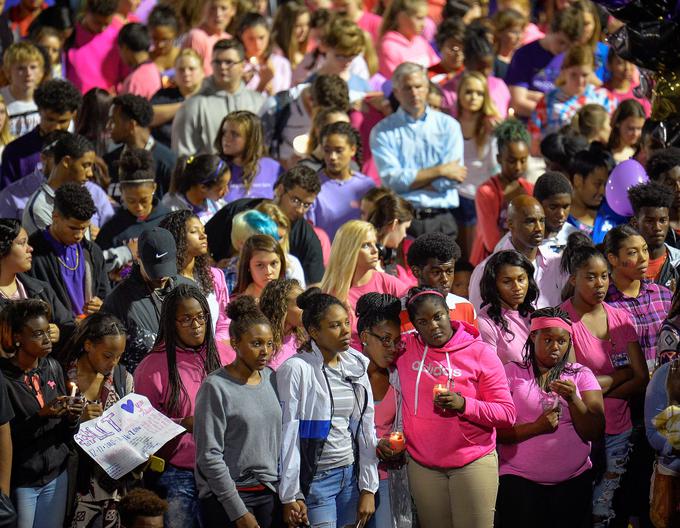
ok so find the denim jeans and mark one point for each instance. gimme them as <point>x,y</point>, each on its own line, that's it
<point>333,498</point>
<point>616,450</point>
<point>178,487</point>
<point>43,507</point>
<point>383,508</point>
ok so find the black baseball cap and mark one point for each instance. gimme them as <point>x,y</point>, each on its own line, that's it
<point>158,253</point>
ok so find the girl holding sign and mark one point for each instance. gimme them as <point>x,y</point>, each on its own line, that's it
<point>92,368</point>
<point>184,354</point>
<point>238,429</point>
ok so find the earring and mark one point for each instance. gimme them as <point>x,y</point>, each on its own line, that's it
<point>17,344</point>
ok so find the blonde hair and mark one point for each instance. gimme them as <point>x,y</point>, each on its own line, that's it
<point>488,107</point>
<point>286,17</point>
<point>274,212</point>
<point>21,52</point>
<point>5,135</point>
<point>389,21</point>
<point>189,53</point>
<point>342,263</point>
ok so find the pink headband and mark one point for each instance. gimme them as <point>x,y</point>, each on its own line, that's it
<point>425,292</point>
<point>549,322</point>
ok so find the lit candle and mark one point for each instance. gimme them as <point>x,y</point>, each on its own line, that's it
<point>74,390</point>
<point>397,441</point>
<point>439,389</point>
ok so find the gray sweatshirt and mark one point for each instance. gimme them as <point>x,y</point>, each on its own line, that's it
<point>237,430</point>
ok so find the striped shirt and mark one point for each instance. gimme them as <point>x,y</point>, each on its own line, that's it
<point>648,311</point>
<point>337,450</point>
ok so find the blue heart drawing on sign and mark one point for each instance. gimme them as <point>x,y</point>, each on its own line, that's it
<point>128,406</point>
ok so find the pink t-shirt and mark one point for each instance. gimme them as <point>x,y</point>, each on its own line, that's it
<point>94,60</point>
<point>531,33</point>
<point>370,23</point>
<point>508,345</point>
<point>548,458</point>
<point>385,414</point>
<point>395,48</point>
<point>145,80</point>
<point>288,349</point>
<point>622,96</point>
<point>596,354</point>
<point>202,43</point>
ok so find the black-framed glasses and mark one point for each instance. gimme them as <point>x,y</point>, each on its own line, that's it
<point>188,320</point>
<point>387,341</point>
<point>299,203</point>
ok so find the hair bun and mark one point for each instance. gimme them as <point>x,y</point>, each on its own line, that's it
<point>134,160</point>
<point>306,298</point>
<point>242,306</point>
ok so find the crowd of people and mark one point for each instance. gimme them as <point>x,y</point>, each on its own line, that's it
<point>292,226</point>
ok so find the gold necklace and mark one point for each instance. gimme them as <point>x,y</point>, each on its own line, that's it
<point>74,268</point>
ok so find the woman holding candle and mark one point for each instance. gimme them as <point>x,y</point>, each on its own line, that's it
<point>328,449</point>
<point>559,412</point>
<point>452,467</point>
<point>378,326</point>
<point>170,376</point>
<point>92,368</point>
<point>508,292</point>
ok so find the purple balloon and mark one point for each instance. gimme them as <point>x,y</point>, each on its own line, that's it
<point>625,175</point>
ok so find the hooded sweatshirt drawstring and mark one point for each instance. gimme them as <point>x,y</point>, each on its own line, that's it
<point>449,380</point>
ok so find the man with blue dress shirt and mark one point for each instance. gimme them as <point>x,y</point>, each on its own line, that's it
<point>419,153</point>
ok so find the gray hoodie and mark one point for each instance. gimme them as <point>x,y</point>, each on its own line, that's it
<point>197,122</point>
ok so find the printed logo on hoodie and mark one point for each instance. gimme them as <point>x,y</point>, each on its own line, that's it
<point>436,370</point>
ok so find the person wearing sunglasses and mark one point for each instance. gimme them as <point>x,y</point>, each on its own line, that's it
<point>184,354</point>
<point>379,330</point>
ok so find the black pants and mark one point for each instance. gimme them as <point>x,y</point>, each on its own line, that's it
<point>264,505</point>
<point>526,504</point>
<point>442,222</point>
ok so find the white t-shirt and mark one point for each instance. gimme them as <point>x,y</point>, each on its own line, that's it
<point>23,115</point>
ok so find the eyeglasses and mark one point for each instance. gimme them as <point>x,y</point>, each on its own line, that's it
<point>299,203</point>
<point>227,63</point>
<point>388,342</point>
<point>188,320</point>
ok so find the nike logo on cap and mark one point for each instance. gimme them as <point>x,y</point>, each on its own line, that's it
<point>161,255</point>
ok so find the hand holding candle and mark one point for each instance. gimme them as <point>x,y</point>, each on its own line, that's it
<point>439,389</point>
<point>74,390</point>
<point>397,441</point>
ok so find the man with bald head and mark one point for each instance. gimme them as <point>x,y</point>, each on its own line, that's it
<point>526,221</point>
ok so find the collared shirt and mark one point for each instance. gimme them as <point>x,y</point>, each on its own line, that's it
<point>402,146</point>
<point>555,243</point>
<point>648,311</point>
<point>547,274</point>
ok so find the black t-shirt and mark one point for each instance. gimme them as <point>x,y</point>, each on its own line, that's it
<point>6,412</point>
<point>163,133</point>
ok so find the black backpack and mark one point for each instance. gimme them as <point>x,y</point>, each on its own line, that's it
<point>274,122</point>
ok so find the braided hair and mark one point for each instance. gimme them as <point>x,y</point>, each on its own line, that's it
<point>93,328</point>
<point>373,308</point>
<point>529,355</point>
<point>344,129</point>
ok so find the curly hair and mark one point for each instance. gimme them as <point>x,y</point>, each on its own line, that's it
<point>9,231</point>
<point>450,29</point>
<point>300,176</point>
<point>93,328</point>
<point>341,128</point>
<point>135,107</point>
<point>651,194</point>
<point>432,245</point>
<point>511,130</point>
<point>274,304</point>
<point>661,161</point>
<point>140,502</point>
<point>58,95</point>
<point>167,335</point>
<point>489,290</point>
<point>244,313</point>
<point>136,167</point>
<point>73,200</point>
<point>551,183</point>
<point>176,223</point>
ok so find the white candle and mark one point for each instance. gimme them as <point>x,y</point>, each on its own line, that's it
<point>74,389</point>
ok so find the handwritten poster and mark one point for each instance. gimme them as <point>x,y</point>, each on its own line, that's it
<point>126,435</point>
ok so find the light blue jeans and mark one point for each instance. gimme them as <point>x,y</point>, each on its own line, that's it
<point>617,449</point>
<point>179,488</point>
<point>43,507</point>
<point>333,498</point>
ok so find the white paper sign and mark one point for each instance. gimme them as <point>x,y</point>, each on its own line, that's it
<point>126,435</point>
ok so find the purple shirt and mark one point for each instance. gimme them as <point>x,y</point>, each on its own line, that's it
<point>648,311</point>
<point>72,267</point>
<point>339,201</point>
<point>262,185</point>
<point>20,157</point>
<point>532,68</point>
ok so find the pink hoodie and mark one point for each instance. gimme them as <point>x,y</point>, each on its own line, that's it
<point>447,439</point>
